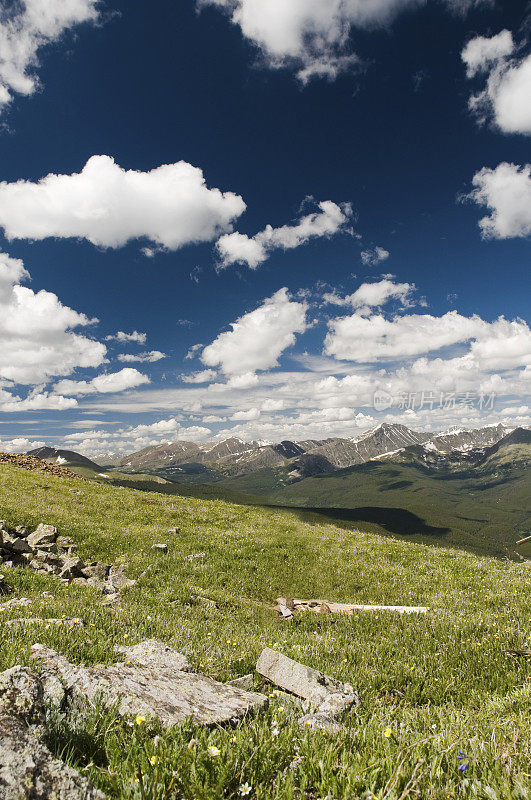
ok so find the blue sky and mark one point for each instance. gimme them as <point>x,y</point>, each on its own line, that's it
<point>345,209</point>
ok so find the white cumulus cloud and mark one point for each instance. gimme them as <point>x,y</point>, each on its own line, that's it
<point>373,295</point>
<point>171,205</point>
<point>312,36</point>
<point>37,338</point>
<point>258,339</point>
<point>27,26</point>
<point>237,248</point>
<point>506,192</point>
<point>127,378</point>
<point>506,96</point>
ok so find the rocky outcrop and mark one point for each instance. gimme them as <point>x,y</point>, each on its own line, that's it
<point>28,770</point>
<point>155,681</point>
<point>45,551</point>
<point>37,465</point>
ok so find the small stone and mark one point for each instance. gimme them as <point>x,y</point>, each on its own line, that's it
<point>4,587</point>
<point>97,583</point>
<point>110,599</point>
<point>63,541</point>
<point>45,534</point>
<point>118,580</point>
<point>20,545</point>
<point>162,548</point>
<point>17,602</point>
<point>78,582</point>
<point>195,556</point>
<point>96,570</point>
<point>321,721</point>
<point>174,530</point>
<point>71,567</point>
<point>22,531</point>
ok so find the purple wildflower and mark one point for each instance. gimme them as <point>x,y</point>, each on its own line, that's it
<point>463,767</point>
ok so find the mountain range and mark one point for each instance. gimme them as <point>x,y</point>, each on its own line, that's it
<point>464,488</point>
<point>233,457</point>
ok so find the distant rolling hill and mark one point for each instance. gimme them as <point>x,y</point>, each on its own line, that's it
<point>65,458</point>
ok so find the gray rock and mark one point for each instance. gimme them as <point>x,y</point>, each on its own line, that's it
<point>326,697</point>
<point>154,653</point>
<point>96,570</point>
<point>110,599</point>
<point>72,567</point>
<point>151,691</point>
<point>245,682</point>
<point>5,588</point>
<point>321,721</point>
<point>44,534</point>
<point>162,548</point>
<point>118,580</point>
<point>50,547</point>
<point>21,694</point>
<point>17,602</point>
<point>22,531</point>
<point>196,557</point>
<point>64,541</point>
<point>174,530</point>
<point>28,771</point>
<point>20,545</point>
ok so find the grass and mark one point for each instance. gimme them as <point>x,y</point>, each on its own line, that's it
<point>431,685</point>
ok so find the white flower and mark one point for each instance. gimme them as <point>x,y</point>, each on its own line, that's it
<point>245,789</point>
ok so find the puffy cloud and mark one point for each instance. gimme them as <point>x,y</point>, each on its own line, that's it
<point>120,336</point>
<point>149,357</point>
<point>368,339</point>
<point>374,256</point>
<point>37,341</point>
<point>371,295</point>
<point>252,413</point>
<point>236,248</point>
<point>501,344</point>
<point>506,191</point>
<point>35,401</point>
<point>311,35</point>
<point>203,376</point>
<point>480,53</point>
<point>505,98</point>
<point>127,378</point>
<point>19,444</point>
<point>25,28</point>
<point>170,205</point>
<point>258,339</point>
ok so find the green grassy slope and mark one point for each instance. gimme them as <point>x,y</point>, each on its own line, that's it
<point>484,508</point>
<point>439,683</point>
